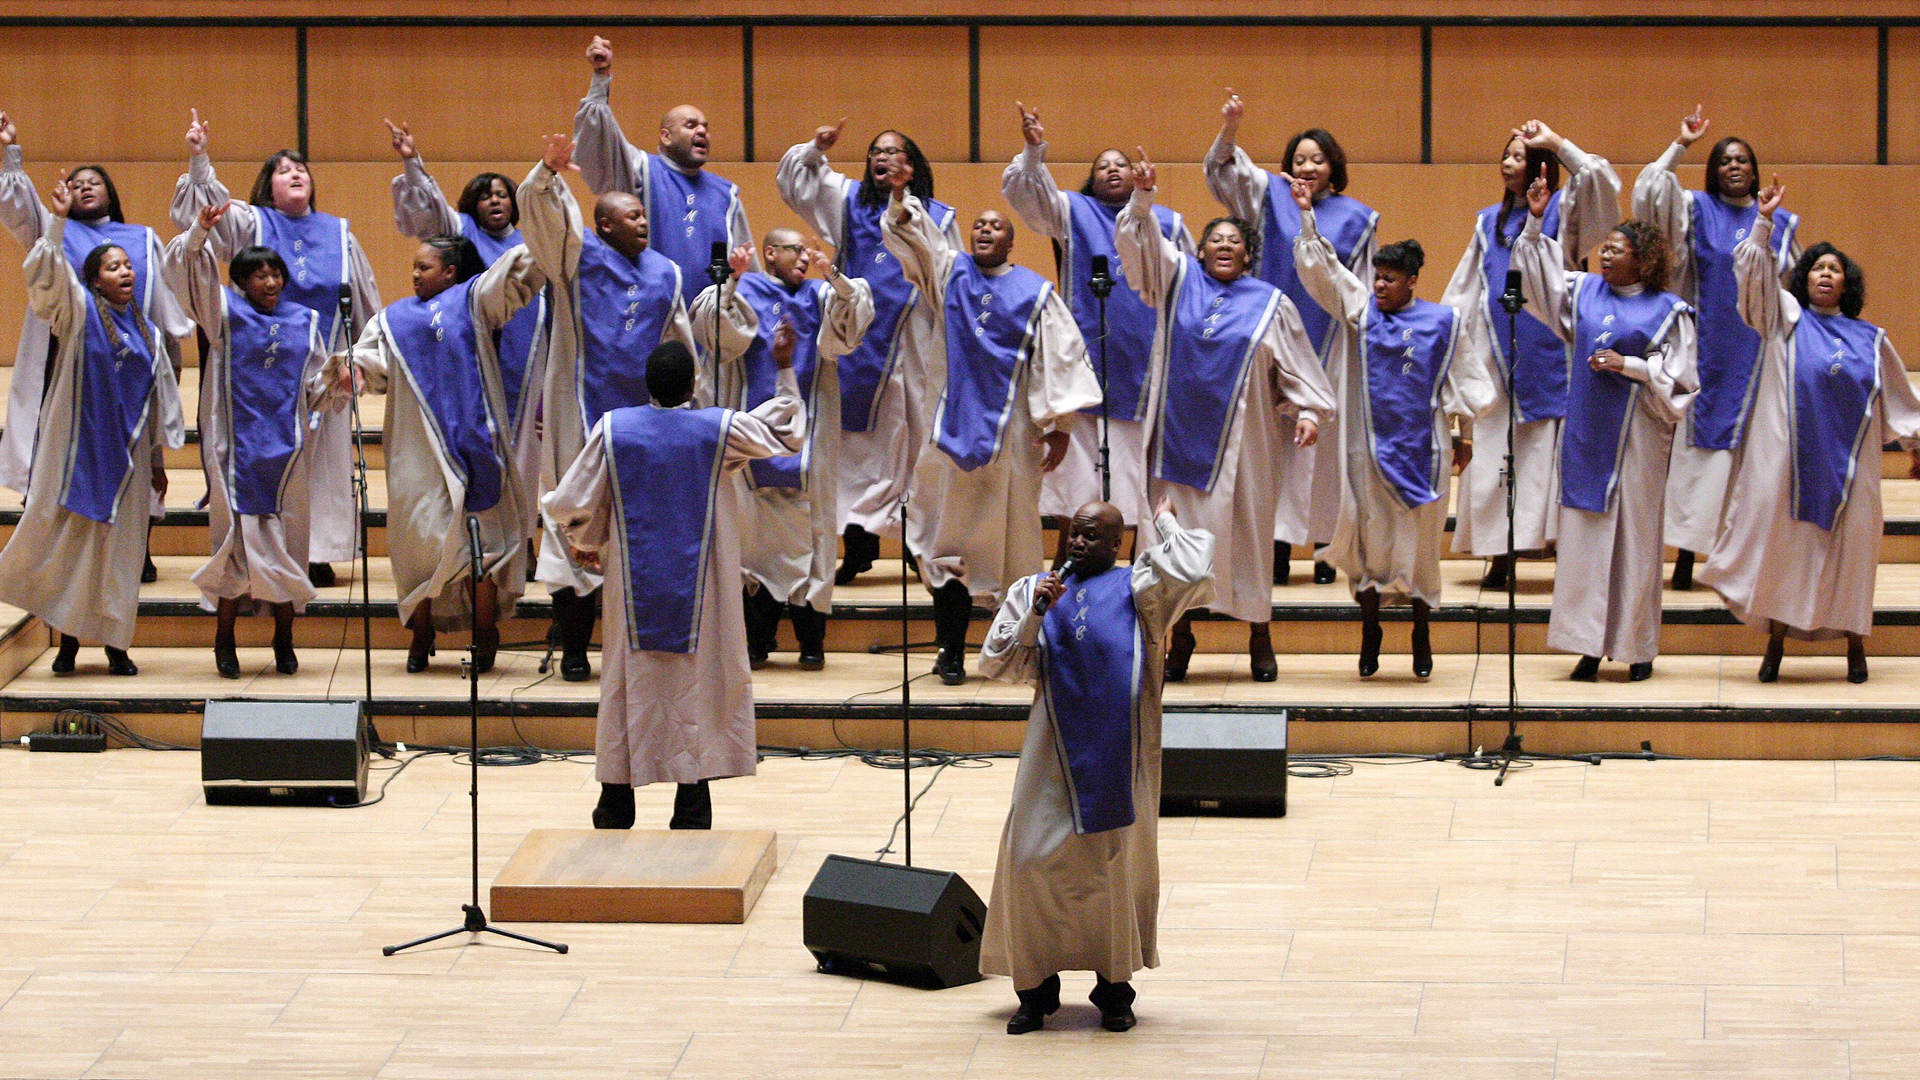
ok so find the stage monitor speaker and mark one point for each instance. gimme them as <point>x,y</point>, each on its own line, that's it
<point>916,925</point>
<point>283,751</point>
<point>1233,763</point>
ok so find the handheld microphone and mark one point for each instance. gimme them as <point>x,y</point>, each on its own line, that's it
<point>1512,300</point>
<point>1101,279</point>
<point>1041,603</point>
<point>473,538</point>
<point>717,268</point>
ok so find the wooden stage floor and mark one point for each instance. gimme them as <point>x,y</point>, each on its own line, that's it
<point>1631,920</point>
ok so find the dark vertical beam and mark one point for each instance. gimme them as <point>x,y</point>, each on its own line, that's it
<point>746,84</point>
<point>1880,137</point>
<point>973,92</point>
<point>1426,94</point>
<point>300,87</point>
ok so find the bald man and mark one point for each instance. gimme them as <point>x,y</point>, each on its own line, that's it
<point>614,300</point>
<point>1010,372</point>
<point>1077,883</point>
<point>692,209</point>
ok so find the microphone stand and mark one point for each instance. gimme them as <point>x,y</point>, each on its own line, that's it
<point>364,511</point>
<point>476,916</point>
<point>717,272</point>
<point>1101,284</point>
<point>1511,301</point>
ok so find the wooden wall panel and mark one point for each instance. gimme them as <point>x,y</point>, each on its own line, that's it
<point>913,78</point>
<point>476,93</point>
<point>1903,96</point>
<point>1622,92</point>
<point>1162,88</point>
<point>118,94</point>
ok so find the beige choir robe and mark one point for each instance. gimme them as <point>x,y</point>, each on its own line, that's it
<point>877,466</point>
<point>333,517</point>
<point>23,215</point>
<point>983,527</point>
<point>1380,543</point>
<point>1697,478</point>
<point>426,498</point>
<point>263,556</point>
<point>674,717</point>
<point>1029,188</point>
<point>789,536</point>
<point>1066,901</point>
<point>1766,565</point>
<point>80,576</point>
<point>1308,503</point>
<point>421,210</point>
<point>1589,209</point>
<point>1286,380</point>
<point>551,225</point>
<point>1606,582</point>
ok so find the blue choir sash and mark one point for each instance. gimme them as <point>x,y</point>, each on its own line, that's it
<point>1130,321</point>
<point>686,215</point>
<point>625,305</point>
<point>1091,676</point>
<point>772,302</point>
<point>990,324</point>
<point>1836,377</point>
<point>1215,333</point>
<point>1344,221</point>
<point>314,247</point>
<point>80,238</point>
<point>1540,375</point>
<point>521,335</point>
<point>1729,348</point>
<point>110,405</point>
<point>435,341</point>
<point>868,367</point>
<point>666,478</point>
<point>267,357</point>
<point>1600,403</point>
<point>1408,355</point>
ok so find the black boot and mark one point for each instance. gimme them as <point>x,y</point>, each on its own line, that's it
<point>1587,670</point>
<point>1180,645</point>
<point>1498,569</point>
<point>1282,562</point>
<point>862,547</point>
<point>1260,653</point>
<point>320,575</point>
<point>226,660</point>
<point>763,625</point>
<point>810,627</point>
<point>1035,1006</point>
<point>486,648</point>
<point>63,660</point>
<point>1422,642</point>
<point>420,650</point>
<point>615,810</point>
<point>692,807</point>
<point>1683,571</point>
<point>284,660</point>
<point>1856,658</point>
<point>1776,645</point>
<point>1640,672</point>
<point>1115,1002</point>
<point>119,663</point>
<point>1370,632</point>
<point>952,611</point>
<point>1323,573</point>
<point>573,616</point>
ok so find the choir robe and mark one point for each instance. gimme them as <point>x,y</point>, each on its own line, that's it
<point>1400,383</point>
<point>421,210</point>
<point>259,392</point>
<point>1309,502</point>
<point>1082,227</point>
<point>333,518</point>
<point>1279,377</point>
<point>74,558</point>
<point>1702,231</point>
<point>1579,215</point>
<point>880,442</point>
<point>1067,895</point>
<point>789,529</point>
<point>449,448</point>
<point>673,716</point>
<point>975,517</point>
<point>1606,585</point>
<point>577,388</point>
<point>688,210</point>
<point>1810,563</point>
<point>22,214</point>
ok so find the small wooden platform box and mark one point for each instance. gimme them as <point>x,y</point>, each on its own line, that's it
<point>638,875</point>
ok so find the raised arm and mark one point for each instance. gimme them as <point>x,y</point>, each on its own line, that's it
<point>1331,283</point>
<point>1764,305</point>
<point>739,323</point>
<point>1232,177</point>
<point>420,208</point>
<point>21,212</point>
<point>924,254</point>
<point>550,221</point>
<point>847,315</point>
<point>810,186</point>
<point>1659,198</point>
<point>1027,185</point>
<point>53,291</point>
<point>199,187</point>
<point>779,424</point>
<point>1590,199</point>
<point>193,275</point>
<point>1150,261</point>
<point>1174,575</point>
<point>510,284</point>
<point>608,162</point>
<point>1544,280</point>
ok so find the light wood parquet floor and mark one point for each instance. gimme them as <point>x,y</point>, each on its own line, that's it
<point>1632,920</point>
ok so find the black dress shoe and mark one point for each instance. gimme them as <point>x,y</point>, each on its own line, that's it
<point>1640,672</point>
<point>692,807</point>
<point>951,666</point>
<point>1422,651</point>
<point>486,648</point>
<point>575,667</point>
<point>226,660</point>
<point>1770,663</point>
<point>1115,1002</point>
<point>1035,1006</point>
<point>1282,562</point>
<point>1370,636</point>
<point>862,547</point>
<point>1856,662</point>
<point>420,650</point>
<point>615,809</point>
<point>63,660</point>
<point>1323,573</point>
<point>1498,570</point>
<point>320,575</point>
<point>1683,572</point>
<point>149,573</point>
<point>1179,655</point>
<point>119,663</point>
<point>1260,658</point>
<point>1587,670</point>
<point>284,661</point>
